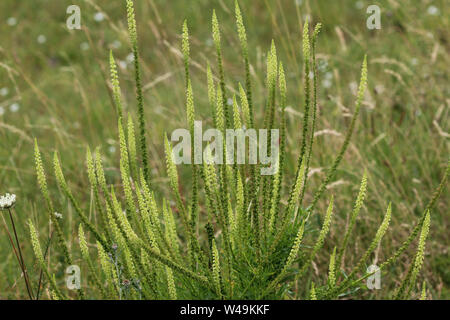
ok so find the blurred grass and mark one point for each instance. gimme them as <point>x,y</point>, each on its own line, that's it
<point>402,139</point>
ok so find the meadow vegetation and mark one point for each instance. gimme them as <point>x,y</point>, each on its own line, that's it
<point>360,151</point>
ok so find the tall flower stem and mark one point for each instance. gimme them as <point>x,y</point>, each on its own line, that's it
<point>20,257</point>
<point>42,271</point>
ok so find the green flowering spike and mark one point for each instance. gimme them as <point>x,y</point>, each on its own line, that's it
<point>115,85</point>
<point>241,30</point>
<point>332,270</point>
<point>171,231</point>
<point>313,295</point>
<point>151,205</point>
<point>122,218</point>
<point>245,107</point>
<point>35,243</point>
<point>123,151</point>
<point>190,110</point>
<point>131,22</point>
<point>357,207</point>
<point>240,209</point>
<point>220,115</point>
<point>140,98</point>
<point>306,61</point>
<point>94,186</point>
<point>145,216</point>
<point>42,181</point>
<point>211,185</point>
<point>244,46</point>
<point>125,174</point>
<point>216,38</point>
<point>171,168</point>
<point>63,185</point>
<point>331,171</point>
<point>272,67</point>
<point>295,194</point>
<point>325,227</point>
<point>410,280</point>
<point>58,173</point>
<point>185,49</point>
<point>83,243</point>
<point>314,111</point>
<point>282,85</point>
<point>211,92</point>
<point>423,296</point>
<point>216,268</point>
<point>39,256</point>
<point>418,262</point>
<point>91,169</point>
<point>132,147</point>
<point>306,43</point>
<point>236,114</point>
<point>216,31</point>
<point>278,180</point>
<point>171,284</point>
<point>99,171</point>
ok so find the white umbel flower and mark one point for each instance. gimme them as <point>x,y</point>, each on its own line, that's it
<point>7,201</point>
<point>58,215</point>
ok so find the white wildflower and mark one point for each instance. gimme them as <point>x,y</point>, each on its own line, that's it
<point>99,16</point>
<point>11,21</point>
<point>84,46</point>
<point>14,107</point>
<point>130,58</point>
<point>209,42</point>
<point>4,91</point>
<point>7,201</point>
<point>433,11</point>
<point>123,64</point>
<point>326,83</point>
<point>58,215</point>
<point>116,44</point>
<point>41,39</point>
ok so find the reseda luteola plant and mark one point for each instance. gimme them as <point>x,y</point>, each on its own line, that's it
<point>237,240</point>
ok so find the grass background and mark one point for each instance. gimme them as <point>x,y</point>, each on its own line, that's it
<point>57,90</point>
